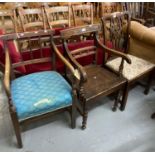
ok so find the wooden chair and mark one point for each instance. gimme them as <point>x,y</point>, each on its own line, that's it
<point>95,79</point>
<point>108,8</point>
<point>41,94</point>
<point>116,30</point>
<point>32,19</point>
<point>82,14</point>
<point>58,17</point>
<point>136,10</point>
<point>8,21</point>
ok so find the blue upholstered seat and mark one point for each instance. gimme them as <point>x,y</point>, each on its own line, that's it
<point>41,92</point>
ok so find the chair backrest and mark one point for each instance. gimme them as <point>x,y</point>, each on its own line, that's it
<point>82,14</point>
<point>115,29</point>
<point>32,19</point>
<point>107,8</point>
<point>29,53</point>
<point>69,35</point>
<point>136,9</point>
<point>8,21</point>
<point>58,16</point>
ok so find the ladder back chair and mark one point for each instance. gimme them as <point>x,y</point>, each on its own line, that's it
<point>95,79</point>
<point>82,14</point>
<point>115,28</point>
<point>38,95</point>
<point>7,21</point>
<point>32,19</point>
<point>58,16</point>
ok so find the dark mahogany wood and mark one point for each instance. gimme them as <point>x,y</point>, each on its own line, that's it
<point>95,80</point>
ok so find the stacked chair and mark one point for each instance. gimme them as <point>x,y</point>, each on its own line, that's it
<point>55,58</point>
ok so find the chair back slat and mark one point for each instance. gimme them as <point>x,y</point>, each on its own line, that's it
<point>58,16</point>
<point>113,30</point>
<point>30,43</point>
<point>82,14</point>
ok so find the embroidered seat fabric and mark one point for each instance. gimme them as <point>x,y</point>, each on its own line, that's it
<point>41,92</point>
<point>131,71</point>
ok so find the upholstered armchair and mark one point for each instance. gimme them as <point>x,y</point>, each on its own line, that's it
<point>142,41</point>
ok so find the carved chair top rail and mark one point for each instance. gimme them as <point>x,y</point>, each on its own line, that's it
<point>57,9</point>
<point>31,11</point>
<point>80,30</point>
<point>25,35</point>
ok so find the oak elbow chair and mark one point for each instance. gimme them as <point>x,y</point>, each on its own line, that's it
<point>115,29</point>
<point>95,78</point>
<point>41,94</point>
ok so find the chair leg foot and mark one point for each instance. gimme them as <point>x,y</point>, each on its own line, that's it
<point>16,128</point>
<point>114,107</point>
<point>149,82</point>
<point>84,122</point>
<point>125,96</point>
<point>153,116</point>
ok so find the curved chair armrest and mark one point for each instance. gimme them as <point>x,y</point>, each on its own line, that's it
<point>114,52</point>
<point>83,74</point>
<point>7,73</point>
<point>73,70</point>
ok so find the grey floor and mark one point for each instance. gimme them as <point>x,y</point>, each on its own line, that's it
<point>131,130</point>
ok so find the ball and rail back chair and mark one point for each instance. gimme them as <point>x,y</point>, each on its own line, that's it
<point>82,14</point>
<point>58,18</point>
<point>115,28</point>
<point>7,21</point>
<point>95,79</point>
<point>32,19</point>
<point>39,95</point>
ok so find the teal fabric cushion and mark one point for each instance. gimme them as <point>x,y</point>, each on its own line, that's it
<point>41,92</point>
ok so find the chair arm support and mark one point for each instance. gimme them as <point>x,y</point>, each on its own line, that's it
<point>67,63</point>
<point>6,79</point>
<point>114,52</point>
<point>83,74</point>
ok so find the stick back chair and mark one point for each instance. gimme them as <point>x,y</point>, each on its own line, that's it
<point>41,94</point>
<point>82,14</point>
<point>95,79</point>
<point>115,29</point>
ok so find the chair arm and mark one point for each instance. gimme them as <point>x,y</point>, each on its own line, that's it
<point>74,71</point>
<point>114,52</point>
<point>83,74</point>
<point>6,79</point>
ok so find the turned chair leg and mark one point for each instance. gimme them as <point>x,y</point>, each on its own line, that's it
<point>149,82</point>
<point>125,97</point>
<point>16,128</point>
<point>85,116</point>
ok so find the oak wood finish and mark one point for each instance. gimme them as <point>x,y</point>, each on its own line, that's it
<point>9,75</point>
<point>32,19</point>
<point>113,28</point>
<point>82,14</point>
<point>8,21</point>
<point>58,16</point>
<point>95,80</point>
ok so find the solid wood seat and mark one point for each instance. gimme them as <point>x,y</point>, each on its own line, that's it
<point>95,78</point>
<point>96,85</point>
